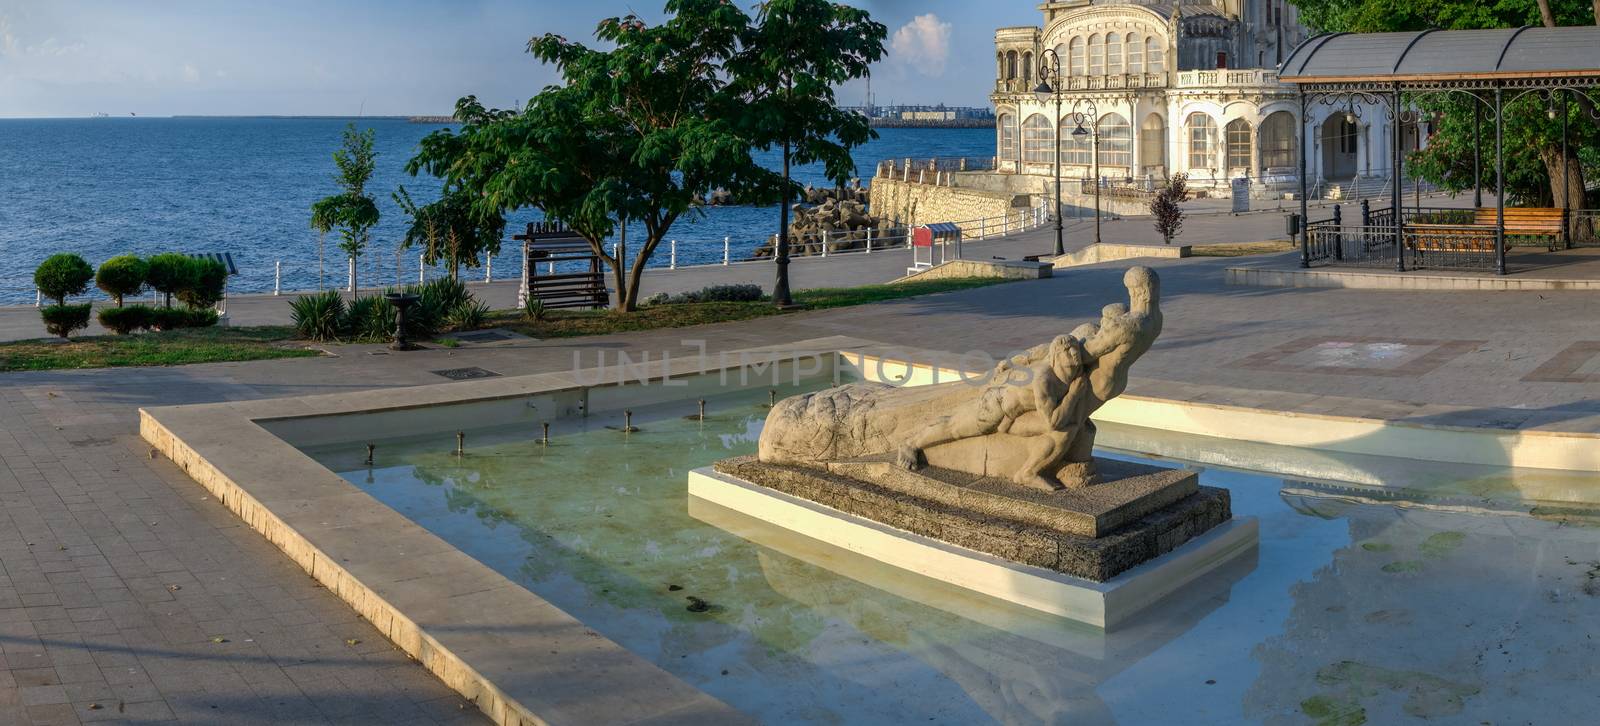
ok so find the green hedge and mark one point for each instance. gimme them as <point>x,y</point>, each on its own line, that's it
<point>63,320</point>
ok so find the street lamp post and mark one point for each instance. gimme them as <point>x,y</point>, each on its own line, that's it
<point>1092,116</point>
<point>1050,68</point>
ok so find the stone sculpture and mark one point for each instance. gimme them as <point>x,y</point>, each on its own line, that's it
<point>1027,422</point>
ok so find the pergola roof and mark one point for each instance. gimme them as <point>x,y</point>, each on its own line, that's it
<point>1443,55</point>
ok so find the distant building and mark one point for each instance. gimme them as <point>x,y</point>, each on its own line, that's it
<point>1179,86</point>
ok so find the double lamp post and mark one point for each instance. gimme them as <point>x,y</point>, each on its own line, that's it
<point>1050,69</point>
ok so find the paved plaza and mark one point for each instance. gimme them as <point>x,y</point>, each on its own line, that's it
<point>128,595</point>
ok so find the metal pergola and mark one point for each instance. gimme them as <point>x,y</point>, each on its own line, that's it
<point>1491,68</point>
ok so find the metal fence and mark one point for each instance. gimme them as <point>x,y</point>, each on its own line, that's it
<point>1585,230</point>
<point>1424,246</point>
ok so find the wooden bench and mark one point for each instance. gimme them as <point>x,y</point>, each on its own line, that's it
<point>1543,222</point>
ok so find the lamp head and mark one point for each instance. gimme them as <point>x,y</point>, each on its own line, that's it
<point>1080,132</point>
<point>1044,92</point>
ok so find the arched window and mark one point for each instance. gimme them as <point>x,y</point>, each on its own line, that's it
<point>1076,150</point>
<point>1135,54</point>
<point>1239,144</point>
<point>1114,58</point>
<point>1116,141</point>
<point>1152,142</point>
<point>1075,57</point>
<point>1011,65</point>
<point>1202,136</point>
<point>1027,66</point>
<point>1061,60</point>
<point>1008,136</point>
<point>1097,55</point>
<point>1000,66</point>
<point>1038,139</point>
<point>1154,56</point>
<point>1277,141</point>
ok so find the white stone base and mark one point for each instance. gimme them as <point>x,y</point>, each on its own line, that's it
<point>1102,604</point>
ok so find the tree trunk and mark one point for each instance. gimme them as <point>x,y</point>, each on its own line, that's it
<point>1566,189</point>
<point>1545,15</point>
<point>780,289</point>
<point>630,299</point>
<point>1597,12</point>
<point>624,303</point>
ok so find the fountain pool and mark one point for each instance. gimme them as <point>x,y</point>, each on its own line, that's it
<point>1354,607</point>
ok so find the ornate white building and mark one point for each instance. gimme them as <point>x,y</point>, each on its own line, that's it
<point>1177,86</point>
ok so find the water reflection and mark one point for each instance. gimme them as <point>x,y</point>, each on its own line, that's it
<point>1353,608</point>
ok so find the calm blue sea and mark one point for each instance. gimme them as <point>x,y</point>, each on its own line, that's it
<point>104,187</point>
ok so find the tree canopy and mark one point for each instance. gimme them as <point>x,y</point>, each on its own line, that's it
<point>783,79</point>
<point>635,133</point>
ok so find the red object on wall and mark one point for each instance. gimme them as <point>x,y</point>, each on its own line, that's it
<point>922,237</point>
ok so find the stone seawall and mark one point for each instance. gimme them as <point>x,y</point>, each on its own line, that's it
<point>914,203</point>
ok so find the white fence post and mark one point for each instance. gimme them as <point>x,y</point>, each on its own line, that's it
<point>350,285</point>
<point>422,271</point>
<point>673,264</point>
<point>824,243</point>
<point>869,240</point>
<point>488,268</point>
<point>277,277</point>
<point>550,268</point>
<point>727,244</point>
<point>38,298</point>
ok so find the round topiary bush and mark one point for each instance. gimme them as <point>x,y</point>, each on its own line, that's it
<point>167,273</point>
<point>62,320</point>
<point>121,277</point>
<point>62,275</point>
<point>204,283</point>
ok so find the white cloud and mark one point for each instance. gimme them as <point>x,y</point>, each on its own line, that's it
<point>191,74</point>
<point>923,45</point>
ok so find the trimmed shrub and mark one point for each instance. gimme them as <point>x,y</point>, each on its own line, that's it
<point>62,320</point>
<point>61,275</point>
<point>203,283</point>
<point>371,319</point>
<point>178,318</point>
<point>123,321</point>
<point>167,273</point>
<point>121,277</point>
<point>469,315</point>
<point>714,293</point>
<point>319,316</point>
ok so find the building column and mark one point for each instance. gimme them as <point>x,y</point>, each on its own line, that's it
<point>1136,136</point>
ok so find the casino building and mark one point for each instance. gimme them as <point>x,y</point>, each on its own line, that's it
<point>1177,86</point>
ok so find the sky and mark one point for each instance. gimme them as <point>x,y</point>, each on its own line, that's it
<point>74,58</point>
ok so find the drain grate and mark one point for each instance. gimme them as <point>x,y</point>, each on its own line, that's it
<point>484,336</point>
<point>466,374</point>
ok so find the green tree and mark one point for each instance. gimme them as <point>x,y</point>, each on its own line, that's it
<point>451,229</point>
<point>634,133</point>
<point>784,75</point>
<point>121,276</point>
<point>352,212</point>
<point>167,273</point>
<point>61,275</point>
<point>1537,172</point>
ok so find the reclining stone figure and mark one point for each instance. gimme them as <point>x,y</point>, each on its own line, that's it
<point>1029,421</point>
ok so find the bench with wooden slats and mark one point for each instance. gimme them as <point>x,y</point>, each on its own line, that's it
<point>1540,222</point>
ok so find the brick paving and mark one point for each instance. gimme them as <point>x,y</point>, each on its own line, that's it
<point>117,574</point>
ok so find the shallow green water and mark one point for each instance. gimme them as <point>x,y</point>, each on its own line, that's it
<point>1348,613</point>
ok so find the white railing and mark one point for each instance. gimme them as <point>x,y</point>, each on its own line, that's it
<point>862,242</point>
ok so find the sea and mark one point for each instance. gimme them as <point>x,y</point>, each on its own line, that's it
<point>102,187</point>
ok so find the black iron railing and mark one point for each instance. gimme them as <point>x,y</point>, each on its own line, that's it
<point>1424,246</point>
<point>1585,228</point>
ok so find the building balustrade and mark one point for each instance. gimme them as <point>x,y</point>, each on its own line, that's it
<point>1088,83</point>
<point>1229,78</point>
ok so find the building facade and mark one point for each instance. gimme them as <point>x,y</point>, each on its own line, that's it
<point>1174,86</point>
